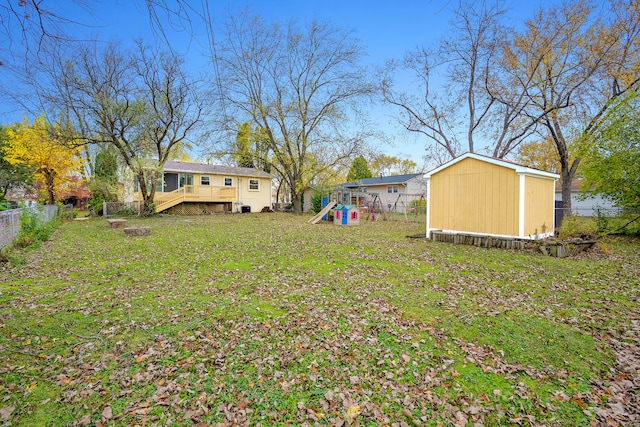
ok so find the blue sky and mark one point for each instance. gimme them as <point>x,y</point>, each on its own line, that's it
<point>386,29</point>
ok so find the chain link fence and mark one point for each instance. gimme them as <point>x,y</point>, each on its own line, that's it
<point>10,221</point>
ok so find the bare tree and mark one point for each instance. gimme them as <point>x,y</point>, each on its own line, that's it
<point>296,85</point>
<point>574,63</point>
<point>141,102</point>
<point>453,113</point>
<point>27,24</point>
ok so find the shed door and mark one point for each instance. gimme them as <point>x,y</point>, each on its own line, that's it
<point>345,216</point>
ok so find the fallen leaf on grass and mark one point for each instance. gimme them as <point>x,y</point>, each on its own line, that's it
<point>5,413</point>
<point>353,411</point>
<point>107,413</point>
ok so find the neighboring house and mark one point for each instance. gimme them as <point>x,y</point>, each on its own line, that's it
<point>17,195</point>
<point>589,206</point>
<point>396,192</point>
<point>75,193</point>
<point>474,194</point>
<point>307,195</point>
<point>194,188</point>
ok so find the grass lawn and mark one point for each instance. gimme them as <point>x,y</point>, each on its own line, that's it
<point>263,319</point>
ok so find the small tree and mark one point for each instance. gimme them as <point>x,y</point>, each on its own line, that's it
<point>104,183</point>
<point>359,170</point>
<point>38,146</point>
<point>316,202</point>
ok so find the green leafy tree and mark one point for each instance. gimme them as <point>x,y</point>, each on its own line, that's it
<point>611,157</point>
<point>104,183</point>
<point>243,154</point>
<point>359,170</point>
<point>316,202</point>
<point>106,165</point>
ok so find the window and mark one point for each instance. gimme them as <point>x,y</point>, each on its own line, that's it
<point>392,188</point>
<point>254,185</point>
<point>205,180</point>
<point>186,180</point>
<point>228,182</point>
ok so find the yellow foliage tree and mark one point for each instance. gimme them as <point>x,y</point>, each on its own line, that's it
<point>36,145</point>
<point>541,155</point>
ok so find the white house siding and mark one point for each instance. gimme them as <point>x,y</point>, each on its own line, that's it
<point>590,206</point>
<point>410,190</point>
<point>306,200</point>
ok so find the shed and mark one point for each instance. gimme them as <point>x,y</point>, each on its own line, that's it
<point>485,196</point>
<point>346,215</point>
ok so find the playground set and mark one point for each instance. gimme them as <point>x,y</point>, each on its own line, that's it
<point>364,205</point>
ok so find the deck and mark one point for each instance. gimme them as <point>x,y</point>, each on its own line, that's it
<point>188,193</point>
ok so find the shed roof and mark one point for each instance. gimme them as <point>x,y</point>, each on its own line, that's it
<point>204,168</point>
<point>519,169</point>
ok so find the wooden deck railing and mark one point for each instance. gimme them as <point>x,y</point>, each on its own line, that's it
<point>190,193</point>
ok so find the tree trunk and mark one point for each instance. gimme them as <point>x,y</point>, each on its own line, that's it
<point>566,191</point>
<point>50,188</point>
<point>278,194</point>
<point>297,203</point>
<point>567,173</point>
<point>146,196</point>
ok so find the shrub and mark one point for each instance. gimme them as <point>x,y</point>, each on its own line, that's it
<point>28,220</point>
<point>578,227</point>
<point>102,191</point>
<point>316,202</point>
<point>31,232</point>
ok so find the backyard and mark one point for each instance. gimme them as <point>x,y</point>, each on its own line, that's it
<point>264,319</point>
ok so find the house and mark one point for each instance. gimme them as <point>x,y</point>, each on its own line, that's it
<point>589,206</point>
<point>307,196</point>
<point>396,192</point>
<point>193,188</point>
<point>485,196</point>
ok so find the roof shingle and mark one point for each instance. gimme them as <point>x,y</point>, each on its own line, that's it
<point>204,168</point>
